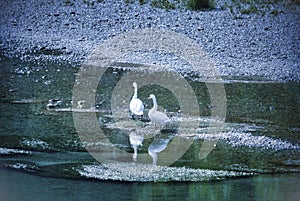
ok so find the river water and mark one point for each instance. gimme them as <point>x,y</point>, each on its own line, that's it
<point>254,154</point>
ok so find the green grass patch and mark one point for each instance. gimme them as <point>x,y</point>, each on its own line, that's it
<point>200,4</point>
<point>164,4</point>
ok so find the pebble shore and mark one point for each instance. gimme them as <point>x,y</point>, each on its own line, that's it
<point>240,45</point>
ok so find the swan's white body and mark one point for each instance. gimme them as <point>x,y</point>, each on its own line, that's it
<point>136,106</point>
<point>156,116</point>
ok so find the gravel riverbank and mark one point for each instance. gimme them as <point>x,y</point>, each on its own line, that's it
<point>250,45</point>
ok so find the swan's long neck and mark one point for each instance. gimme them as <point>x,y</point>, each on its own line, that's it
<point>135,93</point>
<point>135,153</point>
<point>154,104</point>
<point>154,157</point>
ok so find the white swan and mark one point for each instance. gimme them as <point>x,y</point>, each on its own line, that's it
<point>136,106</point>
<point>156,116</point>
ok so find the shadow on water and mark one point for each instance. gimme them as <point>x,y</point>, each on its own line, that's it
<point>260,135</point>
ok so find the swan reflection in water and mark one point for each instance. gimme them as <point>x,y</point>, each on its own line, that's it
<point>159,144</point>
<point>136,140</point>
